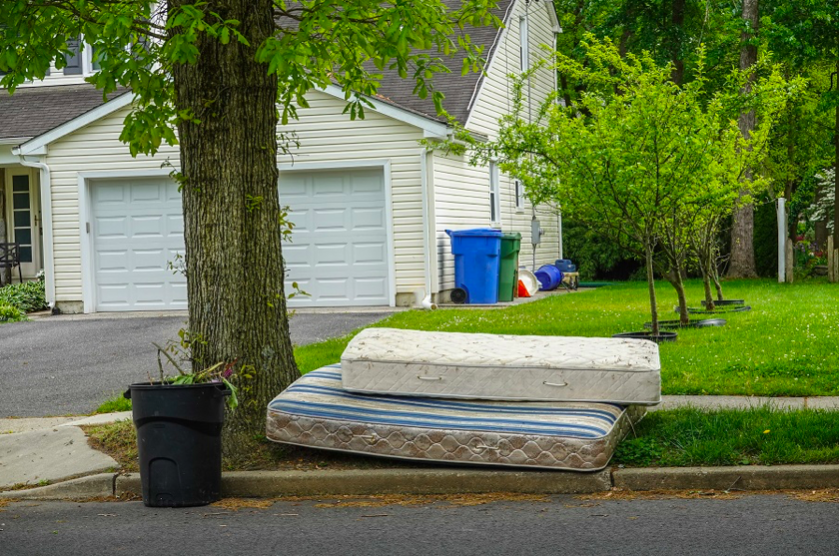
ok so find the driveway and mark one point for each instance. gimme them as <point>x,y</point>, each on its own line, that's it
<point>69,365</point>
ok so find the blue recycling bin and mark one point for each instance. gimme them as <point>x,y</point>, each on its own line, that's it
<point>477,259</point>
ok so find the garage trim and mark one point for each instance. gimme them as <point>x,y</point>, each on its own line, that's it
<point>85,212</point>
<point>384,165</point>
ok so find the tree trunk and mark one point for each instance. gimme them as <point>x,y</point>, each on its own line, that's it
<point>716,276</point>
<point>678,20</point>
<point>742,228</point>
<point>836,169</point>
<point>648,252</point>
<point>675,280</point>
<point>237,307</point>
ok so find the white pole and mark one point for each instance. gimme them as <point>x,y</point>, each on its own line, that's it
<point>782,240</point>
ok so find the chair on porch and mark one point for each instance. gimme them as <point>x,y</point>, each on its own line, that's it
<point>9,259</point>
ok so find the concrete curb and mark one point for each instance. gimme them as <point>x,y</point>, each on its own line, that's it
<point>273,484</point>
<point>276,484</point>
<point>745,477</point>
<point>92,486</point>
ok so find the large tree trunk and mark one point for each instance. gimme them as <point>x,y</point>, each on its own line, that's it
<point>836,169</point>
<point>678,21</point>
<point>237,308</point>
<point>742,228</point>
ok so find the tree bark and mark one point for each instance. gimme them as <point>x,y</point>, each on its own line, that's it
<point>742,228</point>
<point>648,258</point>
<point>836,168</point>
<point>677,283</point>
<point>237,307</point>
<point>678,20</point>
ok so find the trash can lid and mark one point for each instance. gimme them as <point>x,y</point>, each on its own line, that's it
<point>511,235</point>
<point>475,232</point>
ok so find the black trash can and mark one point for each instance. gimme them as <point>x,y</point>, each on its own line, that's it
<point>179,442</point>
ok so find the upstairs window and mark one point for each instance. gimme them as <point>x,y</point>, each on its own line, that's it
<point>494,194</point>
<point>74,59</point>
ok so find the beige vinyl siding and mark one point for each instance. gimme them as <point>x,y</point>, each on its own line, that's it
<point>461,191</point>
<point>326,136</point>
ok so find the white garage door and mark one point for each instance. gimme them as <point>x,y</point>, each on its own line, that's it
<point>338,252</point>
<point>137,229</point>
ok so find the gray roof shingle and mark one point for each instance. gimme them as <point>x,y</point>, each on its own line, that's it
<point>33,111</point>
<point>458,89</point>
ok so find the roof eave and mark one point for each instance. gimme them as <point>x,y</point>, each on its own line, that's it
<point>38,144</point>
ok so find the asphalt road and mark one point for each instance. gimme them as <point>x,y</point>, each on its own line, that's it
<point>752,525</point>
<point>58,366</point>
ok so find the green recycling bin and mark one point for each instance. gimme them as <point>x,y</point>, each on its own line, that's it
<point>508,276</point>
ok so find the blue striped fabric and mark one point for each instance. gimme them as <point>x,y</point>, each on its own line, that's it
<point>319,395</point>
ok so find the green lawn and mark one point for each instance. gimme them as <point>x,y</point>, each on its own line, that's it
<point>787,345</point>
<point>757,436</point>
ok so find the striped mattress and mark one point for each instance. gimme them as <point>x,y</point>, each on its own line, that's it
<point>316,411</point>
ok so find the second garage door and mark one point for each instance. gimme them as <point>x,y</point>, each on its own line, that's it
<point>339,248</point>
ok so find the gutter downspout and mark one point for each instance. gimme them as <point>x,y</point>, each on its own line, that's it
<point>46,222</point>
<point>429,233</point>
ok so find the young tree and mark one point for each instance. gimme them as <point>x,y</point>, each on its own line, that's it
<point>640,166</point>
<point>217,76</point>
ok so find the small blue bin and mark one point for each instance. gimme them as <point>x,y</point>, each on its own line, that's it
<point>477,256</point>
<point>565,265</point>
<point>549,277</point>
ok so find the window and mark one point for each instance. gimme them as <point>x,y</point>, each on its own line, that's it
<point>494,194</point>
<point>74,58</point>
<point>524,52</point>
<point>519,195</point>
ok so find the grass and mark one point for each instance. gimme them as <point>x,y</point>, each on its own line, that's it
<point>785,346</point>
<point>679,437</point>
<point>113,405</point>
<point>761,435</point>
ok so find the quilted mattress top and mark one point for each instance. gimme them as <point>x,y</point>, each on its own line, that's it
<point>319,394</point>
<point>493,350</point>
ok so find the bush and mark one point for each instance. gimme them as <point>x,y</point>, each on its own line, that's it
<point>597,257</point>
<point>27,297</point>
<point>11,314</point>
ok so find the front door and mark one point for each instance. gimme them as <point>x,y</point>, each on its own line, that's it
<point>25,218</point>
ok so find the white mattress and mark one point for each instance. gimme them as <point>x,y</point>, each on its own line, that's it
<point>316,412</point>
<point>498,367</point>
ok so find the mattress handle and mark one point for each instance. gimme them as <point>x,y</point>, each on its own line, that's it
<point>482,447</point>
<point>559,384</point>
<point>421,377</point>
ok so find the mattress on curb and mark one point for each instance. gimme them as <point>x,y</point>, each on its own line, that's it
<point>316,411</point>
<point>502,367</point>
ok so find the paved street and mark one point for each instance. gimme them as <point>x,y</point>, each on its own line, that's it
<point>752,525</point>
<point>56,366</point>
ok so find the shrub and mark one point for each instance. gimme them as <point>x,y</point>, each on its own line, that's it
<point>11,314</point>
<point>27,296</point>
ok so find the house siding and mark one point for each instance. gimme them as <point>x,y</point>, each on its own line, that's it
<point>326,136</point>
<point>462,191</point>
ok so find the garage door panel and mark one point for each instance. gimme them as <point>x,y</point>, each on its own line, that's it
<point>368,219</point>
<point>137,231</point>
<point>338,252</point>
<point>330,220</point>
